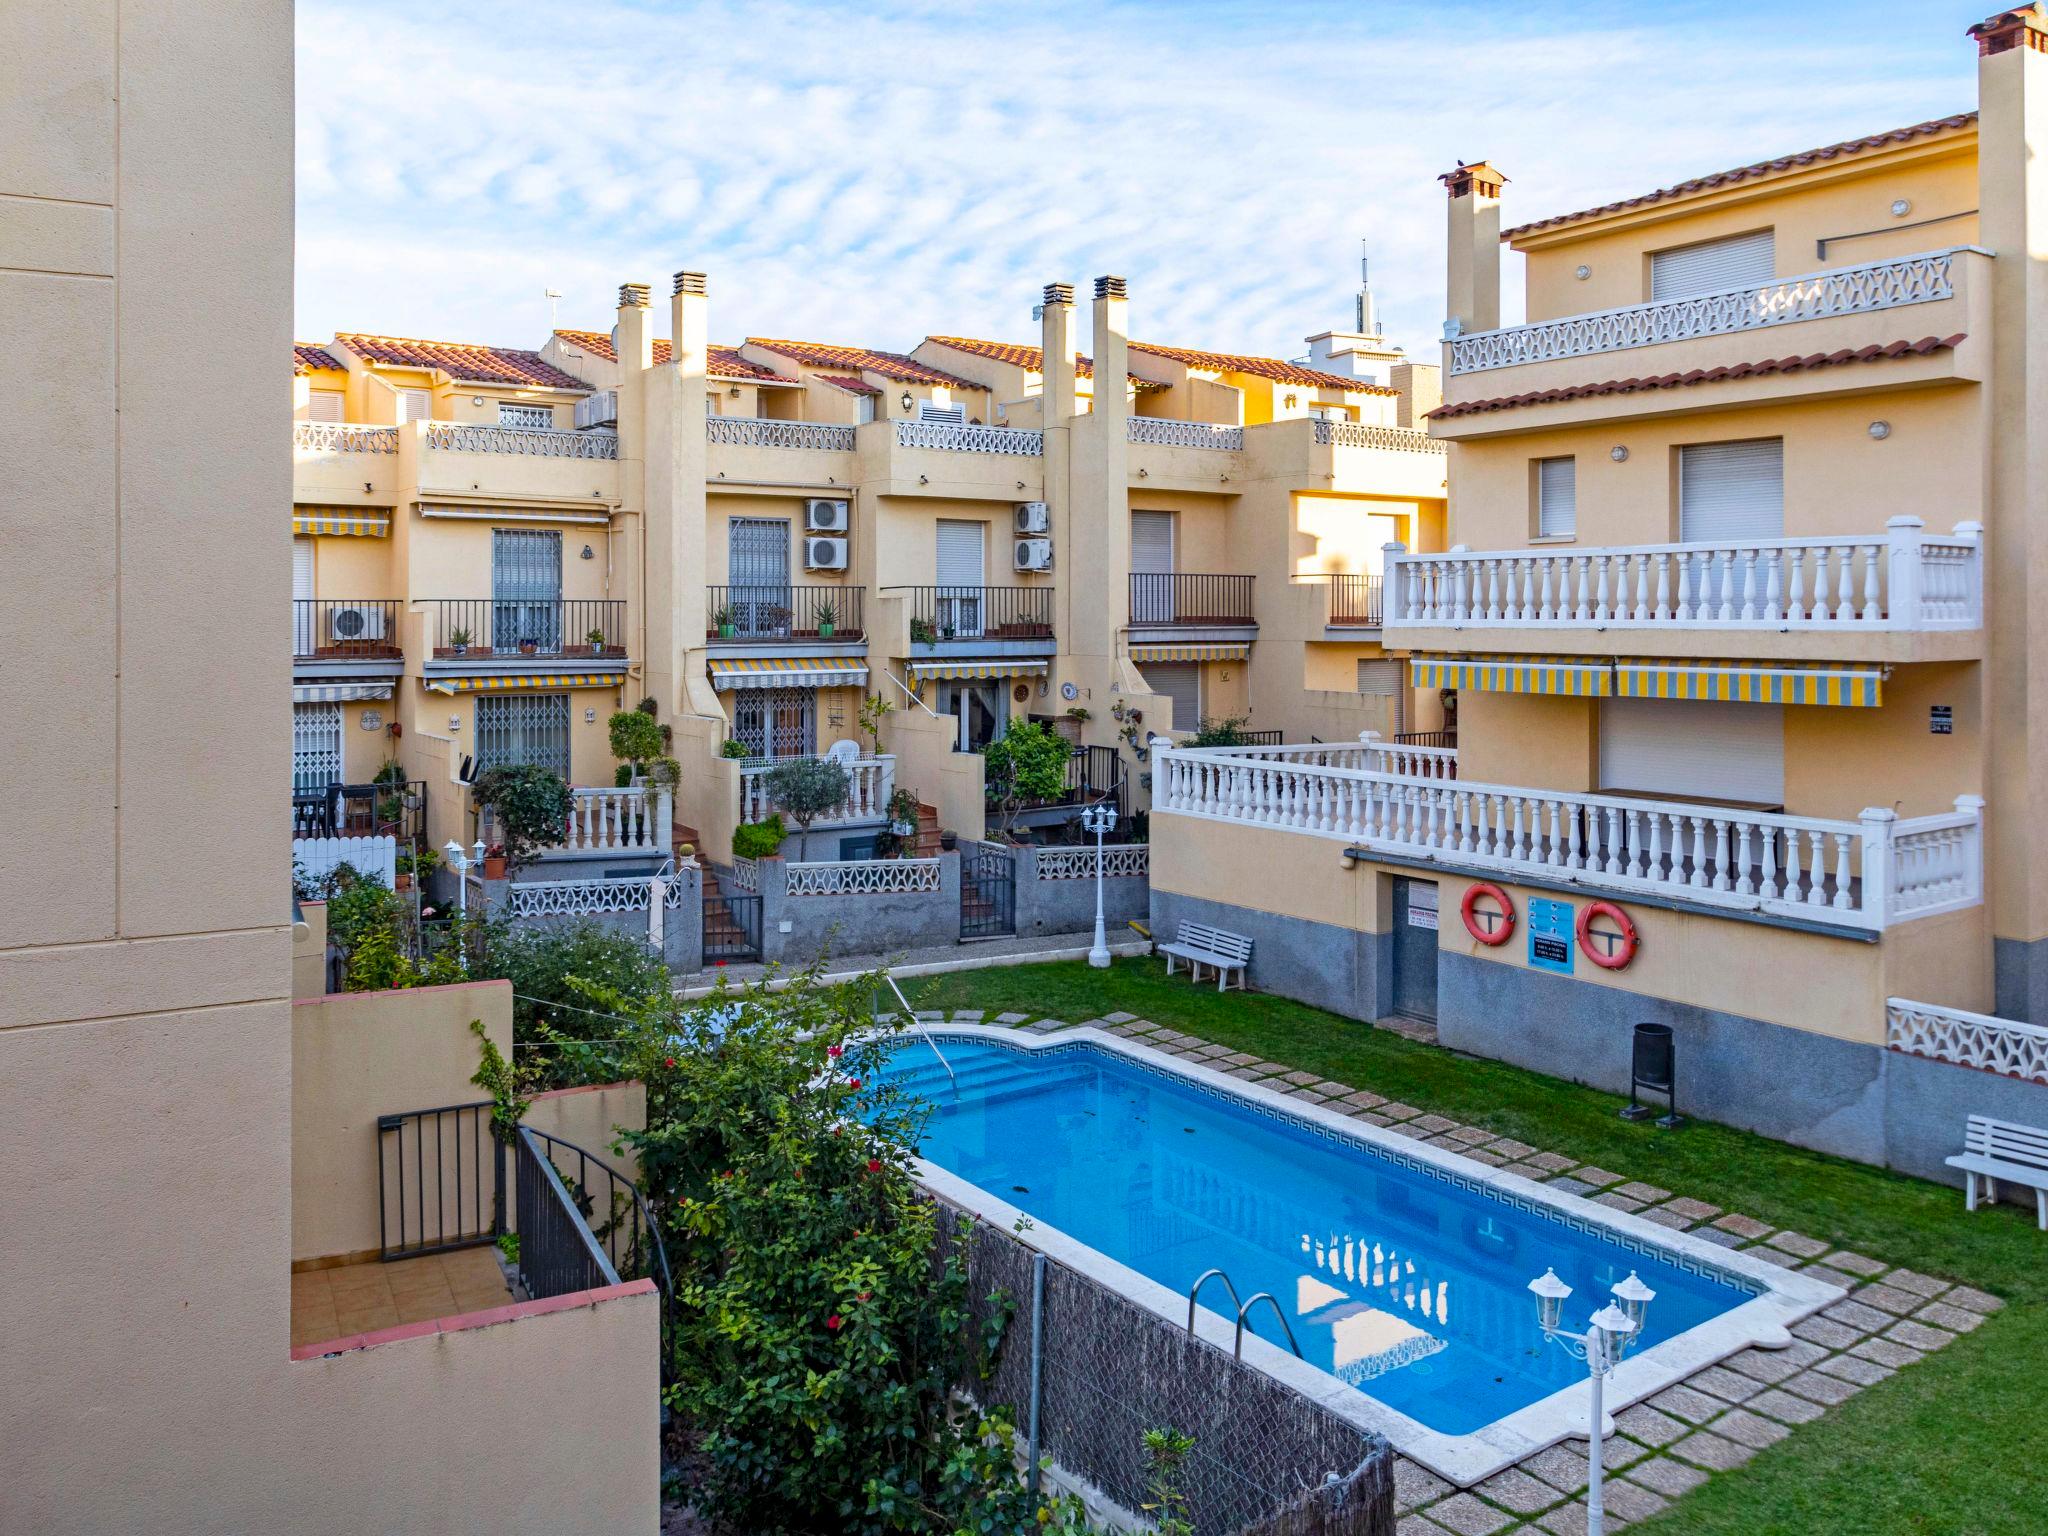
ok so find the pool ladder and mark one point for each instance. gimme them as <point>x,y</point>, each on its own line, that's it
<point>910,1019</point>
<point>1243,1311</point>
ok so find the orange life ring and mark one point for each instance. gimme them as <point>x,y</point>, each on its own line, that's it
<point>1630,940</point>
<point>1507,907</point>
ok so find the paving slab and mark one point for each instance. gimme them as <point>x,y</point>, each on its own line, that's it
<point>1560,1466</point>
<point>1553,1162</point>
<point>1945,1314</point>
<point>1746,1428</point>
<point>1467,1516</point>
<point>1649,1425</point>
<point>1415,1485</point>
<point>1857,1264</point>
<point>1565,1520</point>
<point>1436,1125</point>
<point>1598,1177</point>
<point>1973,1300</point>
<point>1511,1149</point>
<point>1854,1314</point>
<point>1920,1285</point>
<point>1827,1274</point>
<point>1399,1111</point>
<point>1012,1018</point>
<point>1691,1209</point>
<point>1626,1503</point>
<point>1618,1202</point>
<point>1887,1352</point>
<point>1300,1079</point>
<point>1719,1381</point>
<point>1742,1226</point>
<point>1784,1407</point>
<point>1818,1330</point>
<point>1768,1366</point>
<point>1660,1474</point>
<point>1798,1244</point>
<point>1516,1490</point>
<point>1704,1449</point>
<point>1664,1216</point>
<point>1717,1237</point>
<point>1888,1298</point>
<point>1120,1018</point>
<point>1854,1368</point>
<point>1649,1194</point>
<point>1825,1390</point>
<point>1919,1336</point>
<point>1570,1185</point>
<point>1474,1136</point>
<point>1364,1099</point>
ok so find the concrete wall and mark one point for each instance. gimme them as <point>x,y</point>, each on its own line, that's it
<point>1068,906</point>
<point>855,925</point>
<point>592,1117</point>
<point>682,935</point>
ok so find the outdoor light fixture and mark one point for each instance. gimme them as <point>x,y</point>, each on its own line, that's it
<point>1582,272</point>
<point>1618,453</point>
<point>1901,207</point>
<point>908,400</point>
<point>1610,1333</point>
<point>1098,818</point>
<point>476,399</point>
<point>1880,430</point>
<point>589,553</point>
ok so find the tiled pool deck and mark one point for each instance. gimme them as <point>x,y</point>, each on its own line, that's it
<point>1666,1446</point>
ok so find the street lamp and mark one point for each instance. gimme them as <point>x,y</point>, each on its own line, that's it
<point>462,864</point>
<point>1099,818</point>
<point>1609,1335</point>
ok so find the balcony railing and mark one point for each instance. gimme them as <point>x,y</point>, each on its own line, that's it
<point>763,432</point>
<point>535,442</point>
<point>344,437</point>
<point>484,628</point>
<point>979,613</point>
<point>1176,597</point>
<point>345,629</point>
<point>1964,1039</point>
<point>1162,432</point>
<point>1362,434</point>
<point>1351,599</point>
<point>1403,756</point>
<point>871,780</point>
<point>631,819</point>
<point>962,437</point>
<point>1903,579</point>
<point>1867,873</point>
<point>764,611</point>
<point>1854,290</point>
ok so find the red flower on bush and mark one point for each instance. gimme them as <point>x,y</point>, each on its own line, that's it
<point>832,1322</point>
<point>853,1082</point>
<point>862,1295</point>
<point>874,1165</point>
<point>835,1051</point>
<point>669,1061</point>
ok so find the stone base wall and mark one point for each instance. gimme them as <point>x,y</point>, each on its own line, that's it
<point>855,925</point>
<point>1068,906</point>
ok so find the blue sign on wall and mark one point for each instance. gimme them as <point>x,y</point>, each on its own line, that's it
<point>1550,935</point>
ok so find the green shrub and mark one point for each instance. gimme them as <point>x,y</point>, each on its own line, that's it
<point>758,839</point>
<point>362,906</point>
<point>532,806</point>
<point>1227,732</point>
<point>1029,762</point>
<point>635,737</point>
<point>551,970</point>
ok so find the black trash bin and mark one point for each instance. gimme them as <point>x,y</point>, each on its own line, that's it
<point>1653,1066</point>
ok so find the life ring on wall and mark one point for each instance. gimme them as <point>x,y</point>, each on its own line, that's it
<point>1507,909</point>
<point>1624,952</point>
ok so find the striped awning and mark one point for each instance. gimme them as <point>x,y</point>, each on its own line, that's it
<point>1752,682</point>
<point>999,666</point>
<point>1193,652</point>
<point>523,682</point>
<point>787,672</point>
<point>356,524</point>
<point>1574,677</point>
<point>338,693</point>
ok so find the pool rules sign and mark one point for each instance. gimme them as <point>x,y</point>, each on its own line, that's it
<point>1550,935</point>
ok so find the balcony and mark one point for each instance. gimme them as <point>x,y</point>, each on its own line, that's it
<point>785,618</point>
<point>330,437</point>
<point>605,822</point>
<point>1858,876</point>
<point>871,780</point>
<point>765,432</point>
<point>1349,600</point>
<point>1163,432</point>
<point>1180,600</point>
<point>469,630</point>
<point>346,631</point>
<point>533,442</point>
<point>460,460</point>
<point>1901,595</point>
<point>344,464</point>
<point>960,437</point>
<point>982,621</point>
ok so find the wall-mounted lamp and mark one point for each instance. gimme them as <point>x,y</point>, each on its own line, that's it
<point>589,553</point>
<point>476,399</point>
<point>924,479</point>
<point>734,391</point>
<point>1880,430</point>
<point>590,717</point>
<point>1582,272</point>
<point>908,400</point>
<point>1618,453</point>
<point>1144,474</point>
<point>1901,207</point>
<point>1292,400</point>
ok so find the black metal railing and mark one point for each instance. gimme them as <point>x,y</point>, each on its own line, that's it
<point>1177,597</point>
<point>345,629</point>
<point>1262,738</point>
<point>1426,738</point>
<point>440,1180</point>
<point>1355,601</point>
<point>978,613</point>
<point>1096,773</point>
<point>484,627</point>
<point>768,611</point>
<point>988,891</point>
<point>363,810</point>
<point>558,1251</point>
<point>732,921</point>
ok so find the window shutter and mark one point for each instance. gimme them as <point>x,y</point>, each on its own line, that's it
<point>960,553</point>
<point>955,415</point>
<point>324,405</point>
<point>1740,261</point>
<point>1152,542</point>
<point>415,405</point>
<point>1380,678</point>
<point>1729,491</point>
<point>1557,497</point>
<point>1181,681</point>
<point>302,568</point>
<point>1687,748</point>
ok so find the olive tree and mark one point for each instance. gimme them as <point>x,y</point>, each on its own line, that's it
<point>806,788</point>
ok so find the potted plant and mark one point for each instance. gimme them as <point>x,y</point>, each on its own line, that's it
<point>530,806</point>
<point>494,862</point>
<point>949,840</point>
<point>1070,724</point>
<point>458,640</point>
<point>732,747</point>
<point>528,645</point>
<point>596,639</point>
<point>828,620</point>
<point>922,633</point>
<point>727,622</point>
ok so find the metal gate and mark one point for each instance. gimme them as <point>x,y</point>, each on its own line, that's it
<point>988,892</point>
<point>514,729</point>
<point>316,747</point>
<point>526,589</point>
<point>732,921</point>
<point>440,1180</point>
<point>1415,948</point>
<point>757,568</point>
<point>775,723</point>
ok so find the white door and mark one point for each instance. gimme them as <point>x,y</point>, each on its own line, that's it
<point>1180,681</point>
<point>1712,266</point>
<point>1152,568</point>
<point>1685,749</point>
<point>302,596</point>
<point>962,574</point>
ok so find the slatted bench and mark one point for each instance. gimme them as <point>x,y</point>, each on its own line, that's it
<point>1217,948</point>
<point>2001,1149</point>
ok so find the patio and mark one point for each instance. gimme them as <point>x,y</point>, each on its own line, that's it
<point>340,1300</point>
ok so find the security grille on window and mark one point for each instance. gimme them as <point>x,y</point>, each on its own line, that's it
<point>526,415</point>
<point>514,730</point>
<point>776,723</point>
<point>526,588</point>
<point>316,747</point>
<point>1557,498</point>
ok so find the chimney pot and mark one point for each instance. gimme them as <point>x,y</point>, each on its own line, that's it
<point>1110,288</point>
<point>2021,27</point>
<point>634,296</point>
<point>692,282</point>
<point>1477,177</point>
<point>1059,293</point>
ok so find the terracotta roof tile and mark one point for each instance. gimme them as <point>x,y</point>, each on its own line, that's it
<point>725,362</point>
<point>847,382</point>
<point>890,365</point>
<point>1770,365</point>
<point>1804,158</point>
<point>465,362</point>
<point>311,357</point>
<point>1032,359</point>
<point>1264,368</point>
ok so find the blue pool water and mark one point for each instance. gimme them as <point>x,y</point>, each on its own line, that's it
<point>1411,1287</point>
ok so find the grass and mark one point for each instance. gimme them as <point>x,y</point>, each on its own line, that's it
<point>1944,1448</point>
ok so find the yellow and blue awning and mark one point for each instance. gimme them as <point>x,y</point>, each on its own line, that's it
<point>343,522</point>
<point>1752,682</point>
<point>788,672</point>
<point>339,693</point>
<point>982,669</point>
<point>1193,651</point>
<point>523,682</point>
<point>1575,677</point>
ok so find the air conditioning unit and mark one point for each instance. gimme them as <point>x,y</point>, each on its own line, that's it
<point>827,516</point>
<point>598,410</point>
<point>825,554</point>
<point>1033,554</point>
<point>351,621</point>
<point>1032,517</point>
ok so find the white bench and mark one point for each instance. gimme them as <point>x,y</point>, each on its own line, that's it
<point>2000,1149</point>
<point>1217,948</point>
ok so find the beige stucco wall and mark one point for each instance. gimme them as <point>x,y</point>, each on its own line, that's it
<point>592,1117</point>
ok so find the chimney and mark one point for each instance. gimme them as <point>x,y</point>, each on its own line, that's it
<point>1472,249</point>
<point>689,322</point>
<point>632,336</point>
<point>1056,365</point>
<point>1422,391</point>
<point>1112,336</point>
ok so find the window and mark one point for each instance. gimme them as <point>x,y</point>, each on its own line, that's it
<point>510,415</point>
<point>1180,681</point>
<point>1557,498</point>
<point>757,574</point>
<point>1152,594</point>
<point>1712,266</point>
<point>1694,748</point>
<point>415,405</point>
<point>324,405</point>
<point>1379,676</point>
<point>316,747</point>
<point>517,729</point>
<point>1731,491</point>
<point>863,409</point>
<point>303,636</point>
<point>776,723</point>
<point>962,573</point>
<point>526,588</point>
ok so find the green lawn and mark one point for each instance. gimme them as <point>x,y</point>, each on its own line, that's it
<point>1944,1448</point>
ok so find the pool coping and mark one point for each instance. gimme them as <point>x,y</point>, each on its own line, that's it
<point>1763,1322</point>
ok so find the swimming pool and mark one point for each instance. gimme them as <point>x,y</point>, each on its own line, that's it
<point>1402,1271</point>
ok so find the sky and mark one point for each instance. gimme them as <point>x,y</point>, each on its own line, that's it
<point>876,171</point>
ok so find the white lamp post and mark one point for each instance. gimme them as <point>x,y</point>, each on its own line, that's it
<point>462,864</point>
<point>1099,818</point>
<point>1609,1334</point>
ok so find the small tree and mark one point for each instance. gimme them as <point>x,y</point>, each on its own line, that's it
<point>1227,732</point>
<point>636,738</point>
<point>1028,763</point>
<point>532,806</point>
<point>808,787</point>
<point>873,710</point>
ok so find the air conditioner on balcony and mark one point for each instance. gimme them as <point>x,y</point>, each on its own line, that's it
<point>353,621</point>
<point>825,554</point>
<point>1032,517</point>
<point>1033,554</point>
<point>598,410</point>
<point>827,516</point>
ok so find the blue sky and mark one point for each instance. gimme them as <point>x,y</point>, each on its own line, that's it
<point>876,171</point>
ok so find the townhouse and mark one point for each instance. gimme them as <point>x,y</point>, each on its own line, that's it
<point>1736,633</point>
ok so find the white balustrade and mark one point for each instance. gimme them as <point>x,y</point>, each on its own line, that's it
<point>1408,760</point>
<point>586,898</point>
<point>1119,861</point>
<point>763,432</point>
<point>863,877</point>
<point>967,437</point>
<point>1161,432</point>
<point>1903,579</point>
<point>1860,289</point>
<point>1967,1039</point>
<point>871,780</point>
<point>344,437</point>
<point>1366,434</point>
<point>315,857</point>
<point>746,874</point>
<point>535,442</point>
<point>1864,873</point>
<point>608,820</point>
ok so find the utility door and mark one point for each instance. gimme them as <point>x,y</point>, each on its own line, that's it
<point>1415,948</point>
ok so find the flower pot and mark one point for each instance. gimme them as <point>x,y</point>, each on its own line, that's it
<point>727,631</point>
<point>597,647</point>
<point>527,647</point>
<point>401,882</point>
<point>460,650</point>
<point>494,866</point>
<point>949,841</point>
<point>825,631</point>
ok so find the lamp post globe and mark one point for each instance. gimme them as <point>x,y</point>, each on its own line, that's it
<point>1099,818</point>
